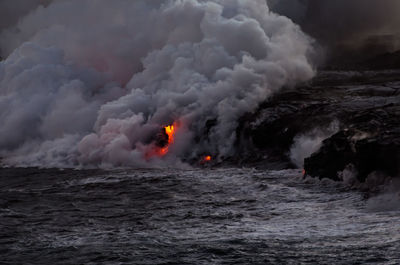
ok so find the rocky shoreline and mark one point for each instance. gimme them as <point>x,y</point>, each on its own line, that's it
<point>365,105</point>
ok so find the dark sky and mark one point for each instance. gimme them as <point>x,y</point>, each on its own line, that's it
<point>343,21</point>
<point>13,10</point>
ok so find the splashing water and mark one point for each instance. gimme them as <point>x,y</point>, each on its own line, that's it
<point>223,216</point>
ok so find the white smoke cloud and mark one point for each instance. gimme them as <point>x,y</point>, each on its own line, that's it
<point>91,82</point>
<point>310,142</point>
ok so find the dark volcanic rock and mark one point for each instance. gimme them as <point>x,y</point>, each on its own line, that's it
<point>383,61</point>
<point>371,144</point>
<point>368,155</point>
<point>335,154</point>
<point>367,107</point>
<point>365,59</point>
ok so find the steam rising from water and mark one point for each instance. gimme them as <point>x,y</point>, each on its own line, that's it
<point>306,144</point>
<point>91,82</point>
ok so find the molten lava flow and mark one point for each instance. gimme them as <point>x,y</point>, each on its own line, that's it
<point>170,131</point>
<point>167,138</point>
<point>205,159</point>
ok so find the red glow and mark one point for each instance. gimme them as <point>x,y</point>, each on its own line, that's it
<point>170,131</point>
<point>206,159</point>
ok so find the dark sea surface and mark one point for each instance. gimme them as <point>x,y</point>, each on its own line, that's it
<point>202,216</point>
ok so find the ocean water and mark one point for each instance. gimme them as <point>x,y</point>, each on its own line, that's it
<point>200,216</point>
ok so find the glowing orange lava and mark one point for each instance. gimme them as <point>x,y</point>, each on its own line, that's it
<point>205,159</point>
<point>170,131</point>
<point>155,150</point>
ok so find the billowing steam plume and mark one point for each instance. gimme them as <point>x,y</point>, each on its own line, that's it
<point>347,24</point>
<point>93,82</point>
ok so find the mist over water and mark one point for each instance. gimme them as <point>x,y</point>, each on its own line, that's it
<point>92,82</point>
